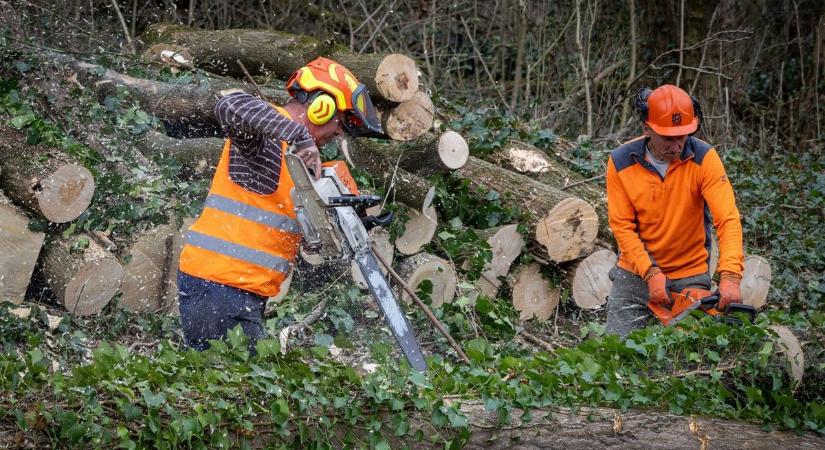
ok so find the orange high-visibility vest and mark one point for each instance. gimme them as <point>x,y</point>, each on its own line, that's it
<point>241,238</point>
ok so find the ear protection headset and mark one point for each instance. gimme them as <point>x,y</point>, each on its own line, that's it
<point>640,103</point>
<point>320,106</point>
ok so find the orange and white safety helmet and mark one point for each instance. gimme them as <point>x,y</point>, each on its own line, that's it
<point>351,97</point>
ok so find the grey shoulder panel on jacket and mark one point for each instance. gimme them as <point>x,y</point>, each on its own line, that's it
<point>622,156</point>
<point>699,148</point>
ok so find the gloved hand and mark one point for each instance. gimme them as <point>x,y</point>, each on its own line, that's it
<point>656,286</point>
<point>729,289</point>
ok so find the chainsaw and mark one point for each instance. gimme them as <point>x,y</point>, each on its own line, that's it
<point>695,299</point>
<point>328,210</point>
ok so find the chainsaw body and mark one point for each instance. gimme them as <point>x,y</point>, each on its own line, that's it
<point>692,299</point>
<point>327,210</point>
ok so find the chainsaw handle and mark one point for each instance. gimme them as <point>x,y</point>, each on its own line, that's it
<point>748,310</point>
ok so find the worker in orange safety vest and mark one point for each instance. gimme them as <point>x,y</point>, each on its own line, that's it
<point>241,248</point>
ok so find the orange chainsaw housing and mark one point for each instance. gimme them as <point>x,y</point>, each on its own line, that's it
<point>342,171</point>
<point>682,301</point>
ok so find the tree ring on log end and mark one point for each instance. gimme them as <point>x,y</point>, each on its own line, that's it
<point>568,230</point>
<point>411,118</point>
<point>93,286</point>
<point>532,294</point>
<point>789,345</point>
<point>418,231</point>
<point>66,193</point>
<point>756,281</point>
<point>397,78</point>
<point>591,283</point>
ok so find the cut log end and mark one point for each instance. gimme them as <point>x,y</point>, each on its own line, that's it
<point>756,281</point>
<point>591,284</point>
<point>93,286</point>
<point>422,267</point>
<point>143,275</point>
<point>19,248</point>
<point>453,150</point>
<point>418,231</point>
<point>411,118</point>
<point>789,346</point>
<point>528,159</point>
<point>532,295</point>
<point>397,78</point>
<point>568,230</point>
<point>65,194</point>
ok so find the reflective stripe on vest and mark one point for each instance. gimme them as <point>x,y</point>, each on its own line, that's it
<point>237,251</point>
<point>249,212</point>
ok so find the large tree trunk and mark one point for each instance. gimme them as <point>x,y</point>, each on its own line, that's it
<point>613,429</point>
<point>197,157</point>
<point>19,249</point>
<point>81,273</point>
<point>429,154</point>
<point>54,187</point>
<point>392,77</point>
<point>564,225</point>
<point>538,165</point>
<point>399,184</point>
<point>193,104</point>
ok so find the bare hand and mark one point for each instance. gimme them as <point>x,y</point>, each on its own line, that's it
<point>312,159</point>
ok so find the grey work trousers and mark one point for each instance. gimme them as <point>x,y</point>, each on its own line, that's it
<point>627,306</point>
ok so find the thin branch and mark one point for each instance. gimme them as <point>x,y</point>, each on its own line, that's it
<point>681,43</point>
<point>124,26</point>
<point>483,64</point>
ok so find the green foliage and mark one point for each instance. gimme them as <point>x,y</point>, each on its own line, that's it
<point>226,397</point>
<point>781,197</point>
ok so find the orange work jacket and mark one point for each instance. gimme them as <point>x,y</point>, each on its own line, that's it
<point>666,221</point>
<point>241,238</point>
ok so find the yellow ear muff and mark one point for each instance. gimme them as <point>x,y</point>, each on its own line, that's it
<point>321,109</point>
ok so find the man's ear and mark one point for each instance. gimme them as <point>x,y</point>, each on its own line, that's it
<point>646,129</point>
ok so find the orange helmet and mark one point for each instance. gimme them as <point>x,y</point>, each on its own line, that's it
<point>344,93</point>
<point>669,110</point>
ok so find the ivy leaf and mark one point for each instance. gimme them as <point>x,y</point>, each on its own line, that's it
<point>22,120</point>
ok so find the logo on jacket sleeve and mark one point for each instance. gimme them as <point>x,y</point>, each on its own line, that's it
<point>676,118</point>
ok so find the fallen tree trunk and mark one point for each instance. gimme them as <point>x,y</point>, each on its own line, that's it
<point>19,249</point>
<point>591,283</point>
<point>589,428</point>
<point>423,267</point>
<point>55,187</point>
<point>533,297</point>
<point>409,119</point>
<point>427,155</point>
<point>564,225</point>
<point>538,165</point>
<point>82,274</point>
<point>399,185</point>
<point>392,77</point>
<point>198,157</point>
<point>187,103</point>
<point>418,231</point>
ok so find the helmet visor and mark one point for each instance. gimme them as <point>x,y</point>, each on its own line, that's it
<point>362,119</point>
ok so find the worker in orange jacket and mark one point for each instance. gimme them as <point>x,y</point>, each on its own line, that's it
<point>664,191</point>
<point>242,247</point>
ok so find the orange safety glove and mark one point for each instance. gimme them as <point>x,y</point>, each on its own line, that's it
<point>656,282</point>
<point>729,289</point>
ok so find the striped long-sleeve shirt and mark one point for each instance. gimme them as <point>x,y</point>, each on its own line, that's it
<point>256,130</point>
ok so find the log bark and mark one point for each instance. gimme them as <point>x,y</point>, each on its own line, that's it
<point>398,184</point>
<point>19,249</point>
<point>169,295</point>
<point>588,428</point>
<point>43,179</point>
<point>421,267</point>
<point>418,231</point>
<point>392,77</point>
<point>756,281</point>
<point>591,284</point>
<point>563,224</point>
<point>538,165</point>
<point>198,157</point>
<point>192,104</point>
<point>533,297</point>
<point>427,155</point>
<point>82,274</point>
<point>146,270</point>
<point>410,119</point>
<point>381,238</point>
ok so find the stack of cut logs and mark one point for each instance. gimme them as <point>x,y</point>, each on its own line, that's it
<point>567,215</point>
